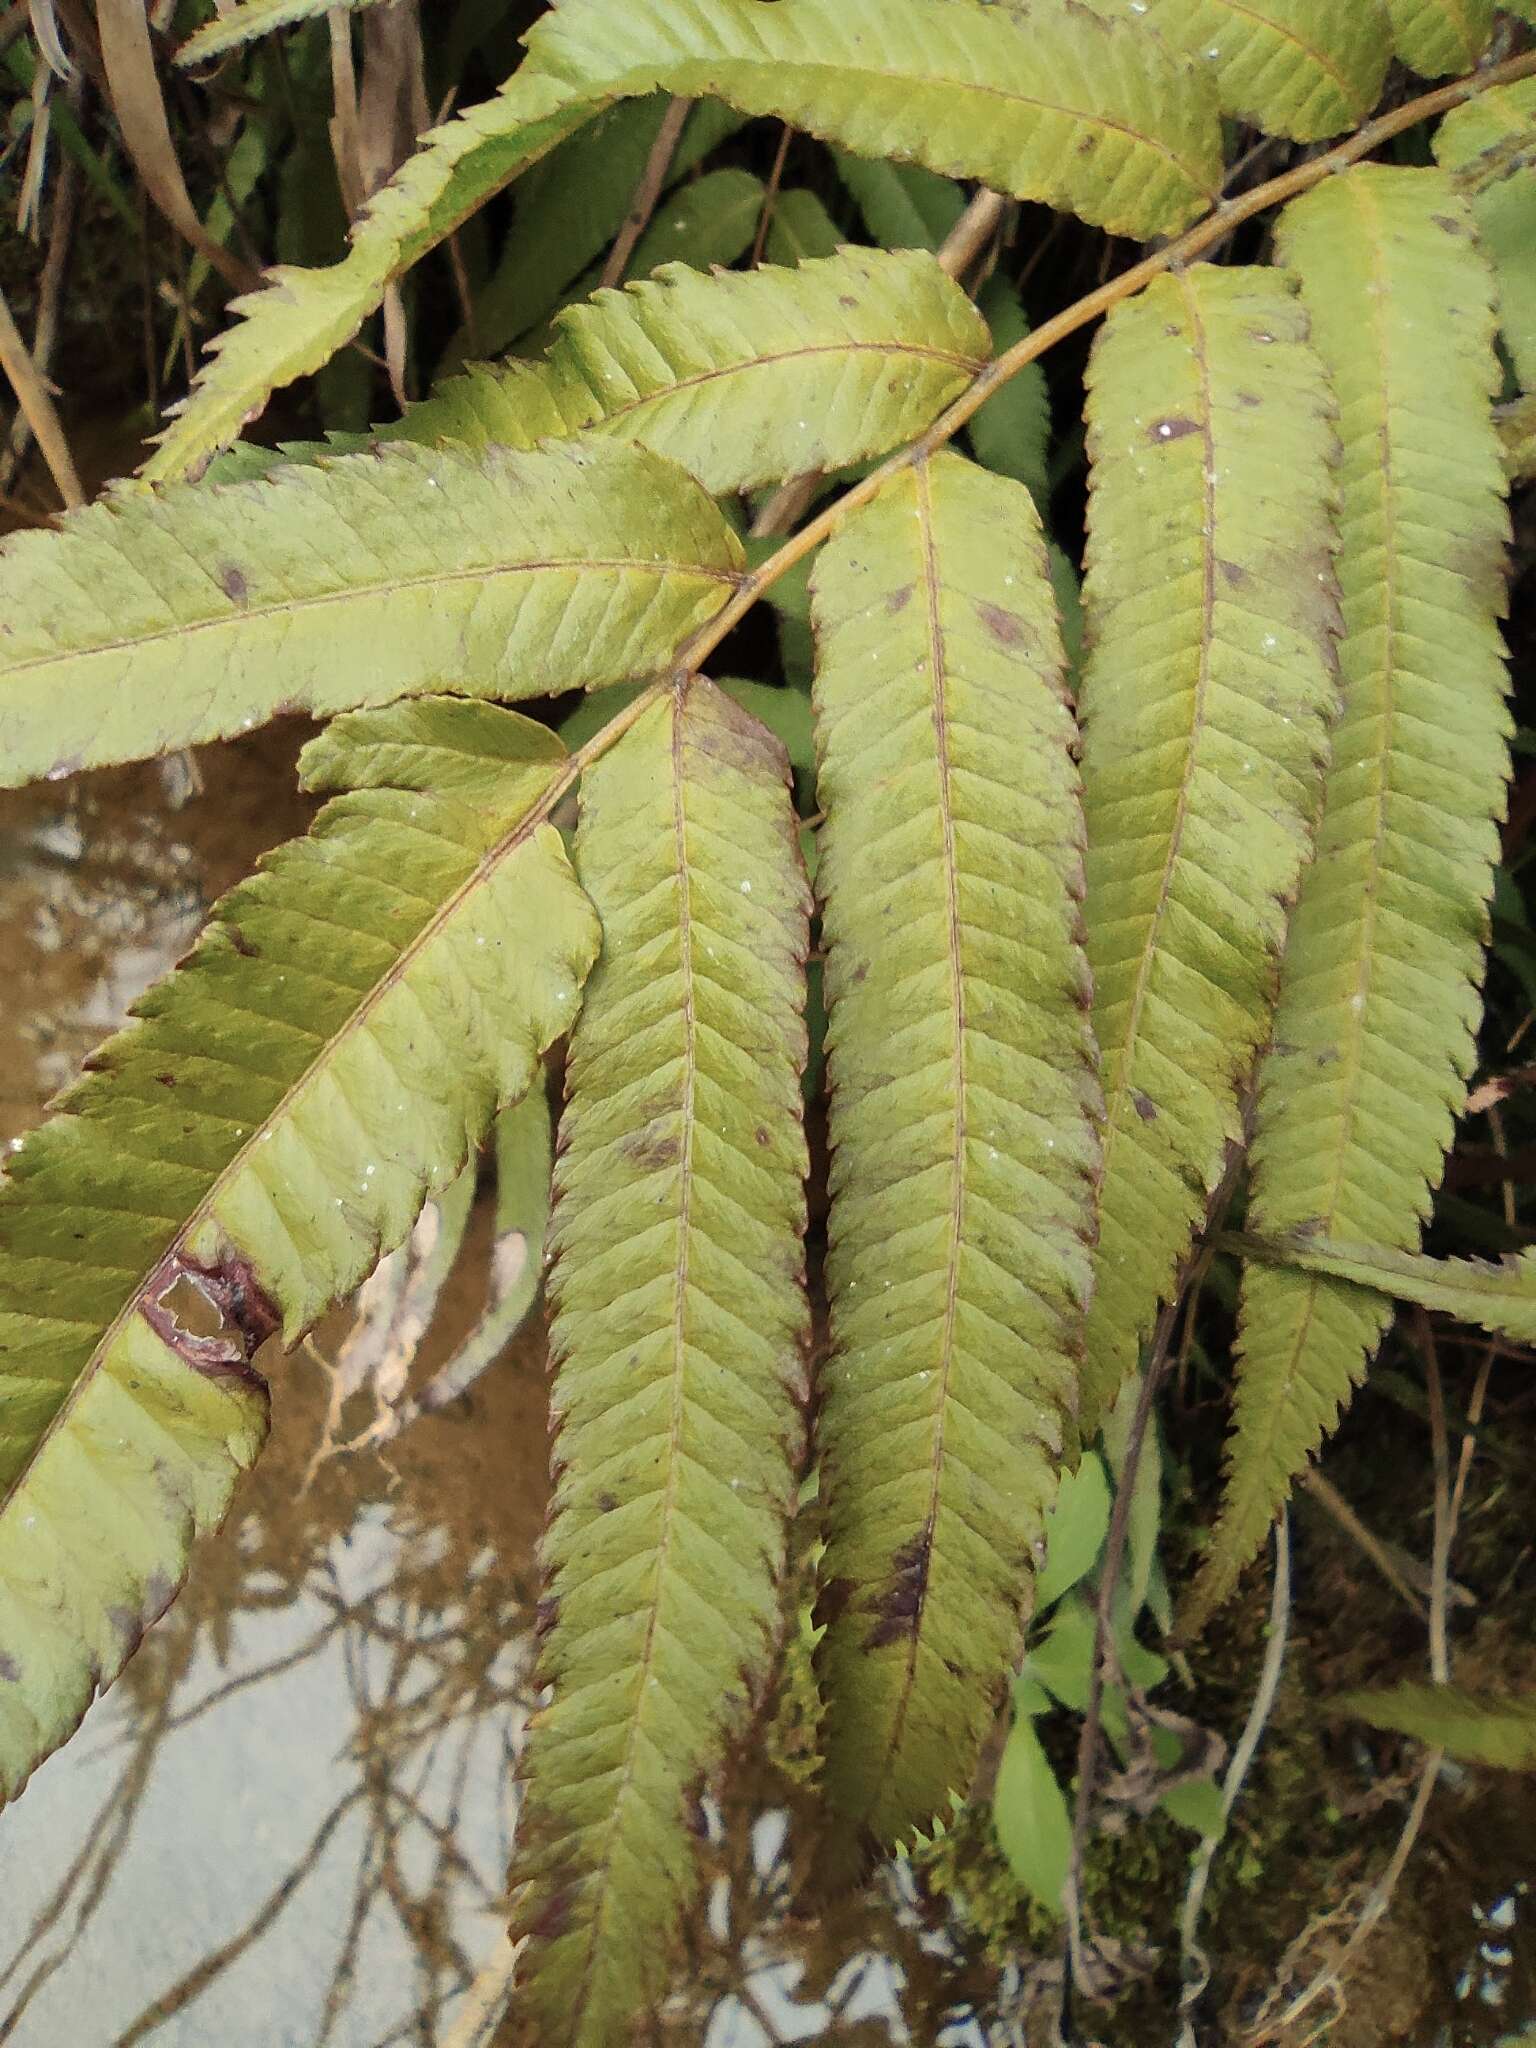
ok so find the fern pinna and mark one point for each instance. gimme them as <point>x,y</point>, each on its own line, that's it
<point>1103,945</point>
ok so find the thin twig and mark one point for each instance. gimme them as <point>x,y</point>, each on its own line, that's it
<point>1089,1741</point>
<point>1440,1555</point>
<point>770,197</point>
<point>36,402</point>
<point>647,192</point>
<point>1194,1965</point>
<point>1329,1981</point>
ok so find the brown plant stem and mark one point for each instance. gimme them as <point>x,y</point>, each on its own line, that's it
<point>647,192</point>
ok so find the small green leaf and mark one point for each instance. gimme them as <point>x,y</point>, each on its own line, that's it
<point>904,206</point>
<point>1030,1817</point>
<point>1063,1662</point>
<point>800,229</point>
<point>1074,1530</point>
<point>1197,1806</point>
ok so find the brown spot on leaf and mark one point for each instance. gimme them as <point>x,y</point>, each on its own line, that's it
<point>898,599</point>
<point>1232,572</point>
<point>1144,1106</point>
<point>247,1315</point>
<point>832,1601</point>
<point>1088,145</point>
<point>1249,398</point>
<point>1003,626</point>
<point>763,1136</point>
<point>552,1919</point>
<point>166,1080</point>
<point>1448,222</point>
<point>241,943</point>
<point>1173,428</point>
<point>234,584</point>
<point>902,1602</point>
<point>649,1147</point>
<point>606,1503</point>
<point>10,1670</point>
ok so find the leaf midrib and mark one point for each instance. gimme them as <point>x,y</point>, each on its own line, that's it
<point>944,1368</point>
<point>602,1863</point>
<point>1277,1410</point>
<point>1151,951</point>
<point>502,849</point>
<point>971,365</point>
<point>357,593</point>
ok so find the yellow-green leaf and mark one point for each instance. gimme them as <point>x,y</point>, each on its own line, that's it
<point>1436,36</point>
<point>1477,1727</point>
<point>241,1155</point>
<point>1303,68</point>
<point>962,1117</point>
<point>1505,210</point>
<point>1066,108</point>
<point>1373,1038</point>
<point>162,617</point>
<point>680,1332</point>
<point>1211,610</point>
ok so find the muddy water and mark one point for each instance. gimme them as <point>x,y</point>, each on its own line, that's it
<point>289,1822</point>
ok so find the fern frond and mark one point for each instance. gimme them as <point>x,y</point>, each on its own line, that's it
<point>252,18</point>
<point>1079,112</point>
<point>1303,68</point>
<point>1379,1001</point>
<point>1496,1296</point>
<point>962,1116</point>
<point>158,618</point>
<point>680,1332</point>
<point>259,1136</point>
<point>1211,610</point>
<point>1436,36</point>
<point>298,320</point>
<point>1505,211</point>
